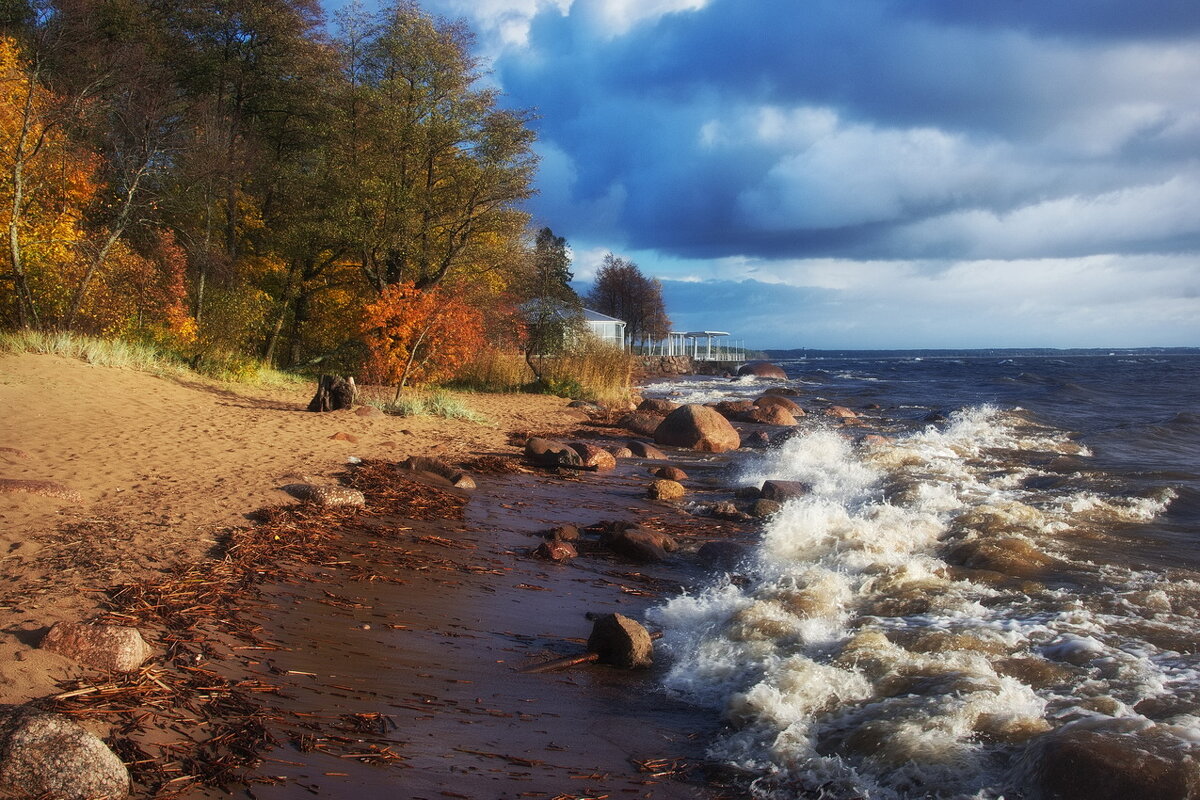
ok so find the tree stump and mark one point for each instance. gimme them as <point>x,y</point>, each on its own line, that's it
<point>333,392</point>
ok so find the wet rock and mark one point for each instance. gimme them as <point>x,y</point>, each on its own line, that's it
<point>669,473</point>
<point>647,451</point>
<point>110,648</point>
<point>329,496</point>
<point>50,755</point>
<point>428,465</point>
<point>934,416</point>
<point>640,422</point>
<point>638,543</point>
<point>622,642</point>
<point>620,451</point>
<point>875,440</point>
<point>699,428</point>
<point>763,369</point>
<point>841,412</point>
<point>594,457</point>
<point>782,491</point>
<point>548,453</point>
<point>666,490</point>
<point>784,391</point>
<point>747,493</point>
<point>1009,555</point>
<point>555,550</point>
<point>763,508</point>
<point>563,533</point>
<point>727,510</point>
<point>733,409</point>
<point>770,415</point>
<point>656,405</point>
<point>757,440</point>
<point>722,555</point>
<point>779,401</point>
<point>1075,764</point>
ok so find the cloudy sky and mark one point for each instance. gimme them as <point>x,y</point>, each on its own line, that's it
<point>873,173</point>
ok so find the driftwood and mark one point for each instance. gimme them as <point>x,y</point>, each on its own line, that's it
<point>333,392</point>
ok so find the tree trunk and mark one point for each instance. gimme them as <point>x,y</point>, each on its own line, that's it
<point>333,393</point>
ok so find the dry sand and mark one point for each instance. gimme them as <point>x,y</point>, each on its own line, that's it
<point>160,466</point>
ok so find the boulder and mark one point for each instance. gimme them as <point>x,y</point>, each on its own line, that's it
<point>875,440</point>
<point>620,451</point>
<point>1085,764</point>
<point>555,550</point>
<point>722,555</point>
<point>563,533</point>
<point>330,496</point>
<point>50,755</point>
<point>762,508</point>
<point>762,369</point>
<point>647,451</point>
<point>666,490</point>
<point>733,409</point>
<point>782,491</point>
<point>110,648</point>
<point>699,428</point>
<point>669,473</point>
<point>657,405</point>
<point>427,466</point>
<point>770,415</point>
<point>641,422</point>
<point>548,453</point>
<point>727,510</point>
<point>841,412</point>
<point>747,493</point>
<point>594,457</point>
<point>621,641</point>
<point>778,401</point>
<point>638,543</point>
<point>785,391</point>
<point>333,393</point>
<point>756,440</point>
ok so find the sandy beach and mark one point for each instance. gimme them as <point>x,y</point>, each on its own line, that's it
<point>164,469</point>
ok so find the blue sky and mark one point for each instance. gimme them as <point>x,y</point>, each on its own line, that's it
<point>873,173</point>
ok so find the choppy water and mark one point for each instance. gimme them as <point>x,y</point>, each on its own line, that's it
<point>953,596</point>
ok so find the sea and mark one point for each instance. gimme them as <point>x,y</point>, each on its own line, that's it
<point>993,578</point>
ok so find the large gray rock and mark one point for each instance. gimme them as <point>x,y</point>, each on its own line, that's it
<point>51,756</point>
<point>762,369</point>
<point>642,423</point>
<point>429,467</point>
<point>329,496</point>
<point>110,648</point>
<point>548,453</point>
<point>699,428</point>
<point>594,457</point>
<point>1108,765</point>
<point>621,641</point>
<point>646,451</point>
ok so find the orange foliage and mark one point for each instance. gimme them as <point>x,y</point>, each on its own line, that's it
<point>419,337</point>
<point>57,182</point>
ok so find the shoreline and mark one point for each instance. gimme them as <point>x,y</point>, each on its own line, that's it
<point>596,582</point>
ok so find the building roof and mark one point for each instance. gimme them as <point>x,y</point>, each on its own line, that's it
<point>596,316</point>
<point>698,334</point>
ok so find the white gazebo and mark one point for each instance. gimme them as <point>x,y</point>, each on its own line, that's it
<point>605,328</point>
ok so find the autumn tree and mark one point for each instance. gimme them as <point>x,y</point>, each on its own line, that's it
<point>552,311</point>
<point>440,166</point>
<point>622,291</point>
<point>419,336</point>
<point>46,181</point>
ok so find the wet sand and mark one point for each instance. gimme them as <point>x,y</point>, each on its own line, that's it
<point>423,663</point>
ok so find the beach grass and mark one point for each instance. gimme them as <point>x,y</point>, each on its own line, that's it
<point>591,370</point>
<point>145,357</point>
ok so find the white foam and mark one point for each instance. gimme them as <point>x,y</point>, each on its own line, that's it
<point>854,661</point>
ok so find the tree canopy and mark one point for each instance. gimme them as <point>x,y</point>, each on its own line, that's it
<point>622,291</point>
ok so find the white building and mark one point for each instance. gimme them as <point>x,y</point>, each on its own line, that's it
<point>605,328</point>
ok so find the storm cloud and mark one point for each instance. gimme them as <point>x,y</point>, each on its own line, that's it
<point>975,149</point>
